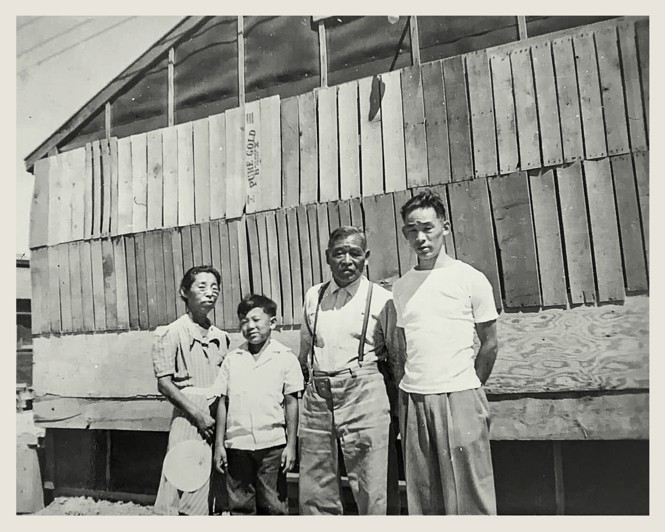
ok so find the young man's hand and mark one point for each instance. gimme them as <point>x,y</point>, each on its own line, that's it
<point>288,459</point>
<point>220,459</point>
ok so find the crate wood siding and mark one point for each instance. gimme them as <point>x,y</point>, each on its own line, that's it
<point>436,123</point>
<point>482,114</point>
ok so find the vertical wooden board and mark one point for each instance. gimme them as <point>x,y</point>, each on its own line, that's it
<point>170,177</point>
<point>87,293</point>
<point>201,171</point>
<point>474,237</point>
<point>243,257</point>
<point>314,243</point>
<point>392,128</point>
<point>88,186</point>
<point>197,248</point>
<point>236,189</point>
<point>125,195</point>
<point>216,261</point>
<point>110,297</point>
<point>333,215</point>
<point>160,277</point>
<point>285,267</point>
<point>295,260</point>
<point>97,189</point>
<point>590,100</point>
<point>264,258</point>
<point>525,106</point>
<point>449,240</point>
<point>206,254</point>
<point>151,262</point>
<point>548,238</point>
<point>517,248</point>
<point>237,292</point>
<point>631,83</point>
<point>141,279</point>
<point>132,286</point>
<point>252,149</point>
<point>611,89</point>
<point>413,109</point>
<point>604,230</point>
<point>171,284</point>
<point>381,238</point>
<point>290,135</point>
<point>407,257</point>
<point>229,282</point>
<point>139,183</point>
<point>54,200</point>
<point>309,181</point>
<point>98,295</point>
<point>186,250</point>
<point>106,186</point>
<point>185,174</point>
<point>254,253</point>
<point>217,146</point>
<point>349,154</point>
<point>628,212</point>
<point>457,110</point>
<point>273,259</point>
<point>329,180</point>
<point>155,180</point>
<point>113,146</point>
<point>39,208</point>
<point>568,98</point>
<point>39,285</point>
<point>121,291</point>
<point>77,177</point>
<point>65,221</point>
<point>482,114</point>
<point>548,109</point>
<point>178,270</point>
<point>271,154</point>
<point>65,288</point>
<point>305,248</point>
<point>357,214</point>
<point>504,112</point>
<point>577,245</point>
<point>641,160</point>
<point>344,209</point>
<point>371,143</point>
<point>436,123</point>
<point>642,31</point>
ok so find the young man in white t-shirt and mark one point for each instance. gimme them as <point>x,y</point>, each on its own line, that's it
<point>444,414</point>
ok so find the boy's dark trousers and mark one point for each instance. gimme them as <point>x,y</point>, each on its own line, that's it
<point>255,483</point>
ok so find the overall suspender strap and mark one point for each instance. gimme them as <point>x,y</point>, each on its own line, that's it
<point>322,291</point>
<point>368,303</point>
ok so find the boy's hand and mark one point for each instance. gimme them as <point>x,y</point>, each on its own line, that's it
<point>288,459</point>
<point>220,459</point>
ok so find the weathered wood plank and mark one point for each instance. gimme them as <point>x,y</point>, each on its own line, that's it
<point>206,254</point>
<point>185,174</point>
<point>125,195</point>
<point>86,287</point>
<point>407,257</point>
<point>611,89</point>
<point>482,114</point>
<point>348,126</point>
<point>324,230</point>
<point>170,176</point>
<point>264,259</point>
<point>641,161</point>
<point>381,238</point>
<point>113,147</point>
<point>254,252</point>
<point>243,266</point>
<point>187,255</point>
<point>271,154</point>
<point>201,134</point>
<point>328,149</point>
<point>548,238</point>
<point>569,103</point>
<point>236,185</point>
<point>230,281</point>
<point>65,288</point>
<point>178,269</point>
<point>74,286</point>
<point>88,185</point>
<point>151,262</point>
<point>39,208</point>
<point>309,182</point>
<point>97,188</point>
<point>590,101</point>
<point>216,261</point>
<point>122,296</point>
<point>572,201</point>
<point>333,215</point>
<point>604,230</point>
<point>449,239</point>
<point>39,281</point>
<point>357,213</point>
<point>77,178</point>
<point>217,162</point>
<point>525,105</point>
<point>436,123</point>
<point>155,180</point>
<point>132,287</point>
<point>171,286</point>
<point>295,261</point>
<point>110,297</point>
<point>141,280</point>
<point>371,143</point>
<point>160,277</point>
<point>314,244</point>
<point>290,134</point>
<point>54,200</point>
<point>344,209</point>
<point>284,266</point>
<point>98,294</point>
<point>197,247</point>
<point>474,237</point>
<point>273,259</point>
<point>631,84</point>
<point>642,31</point>
<point>305,249</point>
<point>413,108</point>
<point>252,148</point>
<point>139,183</point>
<point>504,105</point>
<point>65,221</point>
<point>457,109</point>
<point>392,129</point>
<point>548,109</point>
<point>105,150</point>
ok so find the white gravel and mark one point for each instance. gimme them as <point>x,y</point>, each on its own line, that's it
<point>89,506</point>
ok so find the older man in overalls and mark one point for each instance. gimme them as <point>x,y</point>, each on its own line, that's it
<point>348,332</point>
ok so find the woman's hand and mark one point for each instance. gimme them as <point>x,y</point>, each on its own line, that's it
<point>205,424</point>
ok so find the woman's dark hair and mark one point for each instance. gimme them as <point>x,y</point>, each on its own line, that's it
<point>190,276</point>
<point>252,301</point>
<point>424,200</point>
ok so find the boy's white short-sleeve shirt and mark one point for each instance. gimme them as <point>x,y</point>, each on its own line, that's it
<point>438,310</point>
<point>256,386</point>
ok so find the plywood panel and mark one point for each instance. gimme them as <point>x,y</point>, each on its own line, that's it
<point>76,294</point>
<point>88,186</point>
<point>577,245</point>
<point>328,149</point>
<point>65,288</point>
<point>262,229</point>
<point>641,160</point>
<point>604,230</point>
<point>314,244</point>
<point>39,282</point>
<point>170,176</point>
<point>348,126</point>
<point>155,179</point>
<point>121,292</point>
<point>548,110</point>
<point>187,255</point>
<point>39,208</point>
<point>132,287</point>
<point>271,154</point>
<point>217,146</point>
<point>86,287</point>
<point>630,228</point>
<point>139,183</point>
<point>151,278</point>
<point>482,114</point>
<point>642,31</point>
<point>113,146</point>
<point>98,295</point>
<point>371,144</point>
<point>568,97</point>
<point>252,147</point>
<point>77,179</point>
<point>236,187</point>
<point>284,266</point>
<point>305,249</point>
<point>201,170</point>
<point>97,189</point>
<point>525,106</point>
<point>243,266</point>
<point>611,85</point>
<point>290,134</point>
<point>511,208</point>
<point>295,260</point>
<point>171,284</point>
<point>474,237</point>
<point>125,193</point>
<point>548,238</point>
<point>105,150</point>
<point>381,238</point>
<point>254,253</point>
<point>216,261</point>
<point>631,83</point>
<point>230,283</point>
<point>273,259</point>
<point>178,269</point>
<point>436,123</point>
<point>185,174</point>
<point>457,109</point>
<point>392,128</point>
<point>413,108</point>
<point>110,297</point>
<point>590,100</point>
<point>309,182</point>
<point>407,257</point>
<point>504,105</point>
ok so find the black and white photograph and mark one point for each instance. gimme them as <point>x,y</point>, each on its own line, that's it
<point>333,265</point>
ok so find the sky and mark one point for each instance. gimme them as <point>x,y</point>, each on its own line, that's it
<point>62,62</point>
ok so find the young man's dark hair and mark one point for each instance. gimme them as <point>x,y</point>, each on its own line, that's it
<point>424,200</point>
<point>251,301</point>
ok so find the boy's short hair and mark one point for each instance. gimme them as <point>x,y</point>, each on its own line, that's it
<point>347,230</point>
<point>252,301</point>
<point>423,200</point>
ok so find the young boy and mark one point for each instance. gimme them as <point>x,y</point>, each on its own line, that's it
<point>257,382</point>
<point>444,413</point>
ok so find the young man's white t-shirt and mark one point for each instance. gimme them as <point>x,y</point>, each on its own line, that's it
<point>438,310</point>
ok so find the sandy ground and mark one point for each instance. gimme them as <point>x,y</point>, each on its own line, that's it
<point>88,506</point>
